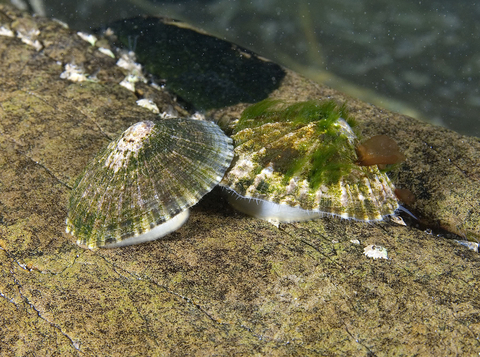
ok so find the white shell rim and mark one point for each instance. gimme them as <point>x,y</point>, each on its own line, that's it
<point>267,210</point>
<point>155,233</point>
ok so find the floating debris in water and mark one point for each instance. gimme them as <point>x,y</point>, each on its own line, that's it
<point>379,150</point>
<point>298,162</point>
<point>140,187</point>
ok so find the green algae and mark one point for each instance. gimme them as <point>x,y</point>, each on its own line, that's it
<point>328,162</point>
<point>274,110</point>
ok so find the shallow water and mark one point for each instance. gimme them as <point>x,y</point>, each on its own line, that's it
<point>421,58</point>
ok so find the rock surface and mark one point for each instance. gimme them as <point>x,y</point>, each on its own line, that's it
<point>224,283</point>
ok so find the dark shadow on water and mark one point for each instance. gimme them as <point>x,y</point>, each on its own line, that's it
<point>203,70</point>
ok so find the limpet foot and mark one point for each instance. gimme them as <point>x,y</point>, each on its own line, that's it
<point>159,231</point>
<point>268,210</point>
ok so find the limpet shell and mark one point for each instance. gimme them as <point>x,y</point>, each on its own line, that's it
<point>147,178</point>
<point>297,162</point>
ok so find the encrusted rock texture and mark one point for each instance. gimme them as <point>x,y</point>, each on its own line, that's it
<point>224,283</point>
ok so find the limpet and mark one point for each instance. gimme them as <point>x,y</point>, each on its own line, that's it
<point>140,187</point>
<point>291,162</point>
<point>296,162</point>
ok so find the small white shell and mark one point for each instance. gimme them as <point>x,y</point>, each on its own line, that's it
<point>375,252</point>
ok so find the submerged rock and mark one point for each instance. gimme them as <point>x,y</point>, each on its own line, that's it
<point>224,283</point>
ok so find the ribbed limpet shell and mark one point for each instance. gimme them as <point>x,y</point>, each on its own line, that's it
<point>297,162</point>
<point>141,185</point>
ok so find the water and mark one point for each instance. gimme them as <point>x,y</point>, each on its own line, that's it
<point>419,58</point>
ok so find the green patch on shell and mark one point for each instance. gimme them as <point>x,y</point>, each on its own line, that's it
<point>320,164</point>
<point>272,111</point>
<point>303,155</point>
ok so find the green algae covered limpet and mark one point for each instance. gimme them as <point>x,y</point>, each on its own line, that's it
<point>298,162</point>
<point>139,188</point>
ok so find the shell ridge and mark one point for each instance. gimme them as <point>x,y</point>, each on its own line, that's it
<point>170,185</point>
<point>97,198</point>
<point>146,177</point>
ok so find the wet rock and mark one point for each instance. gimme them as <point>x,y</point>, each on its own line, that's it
<point>224,282</point>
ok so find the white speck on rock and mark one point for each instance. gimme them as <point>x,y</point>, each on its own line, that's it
<point>135,74</point>
<point>127,61</point>
<point>169,113</point>
<point>148,104</point>
<point>6,32</point>
<point>398,220</point>
<point>61,23</point>
<point>29,38</point>
<point>109,32</point>
<point>106,51</point>
<point>375,252</point>
<point>274,222</point>
<point>197,116</point>
<point>157,86</point>
<point>129,82</point>
<point>470,245</point>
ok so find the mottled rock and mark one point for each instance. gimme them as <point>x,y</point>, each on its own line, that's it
<point>224,282</point>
